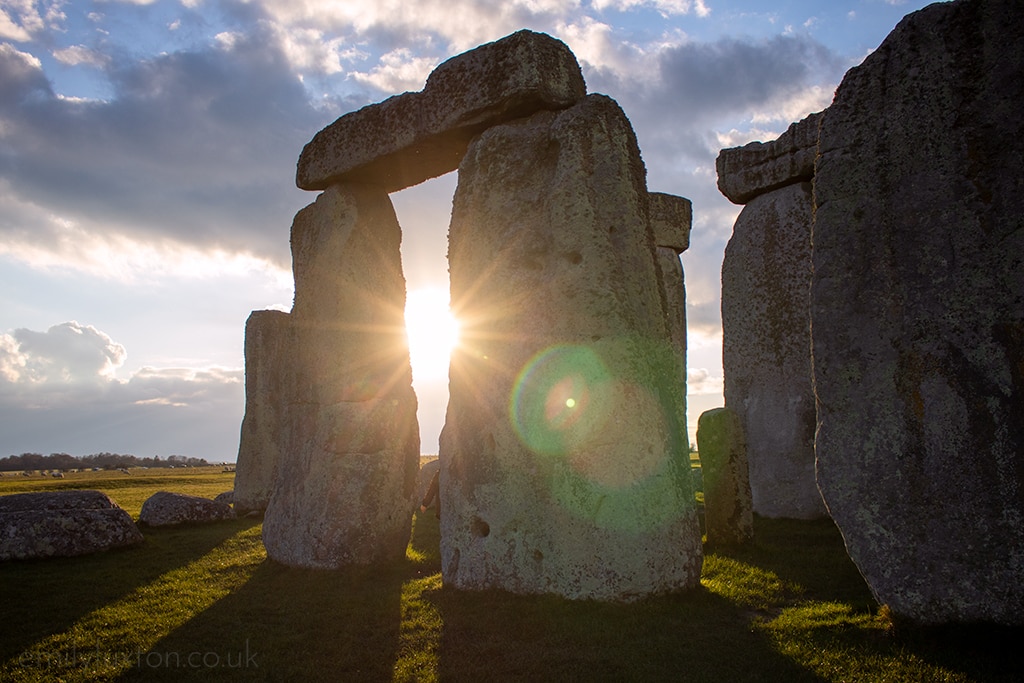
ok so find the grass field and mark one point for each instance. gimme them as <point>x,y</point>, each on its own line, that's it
<point>203,602</point>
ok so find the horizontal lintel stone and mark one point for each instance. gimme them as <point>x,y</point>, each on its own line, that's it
<point>759,167</point>
<point>415,136</point>
<point>671,218</point>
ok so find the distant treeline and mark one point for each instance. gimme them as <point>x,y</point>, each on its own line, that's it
<point>105,461</point>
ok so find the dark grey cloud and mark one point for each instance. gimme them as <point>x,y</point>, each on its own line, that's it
<point>197,147</point>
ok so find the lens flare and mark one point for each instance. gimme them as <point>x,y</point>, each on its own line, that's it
<point>560,399</point>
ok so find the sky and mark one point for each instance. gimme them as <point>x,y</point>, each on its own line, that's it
<point>147,165</point>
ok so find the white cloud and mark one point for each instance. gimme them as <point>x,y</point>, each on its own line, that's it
<point>702,382</point>
<point>68,353</point>
<point>59,393</point>
<point>398,71</point>
<point>738,138</point>
<point>79,54</point>
<point>664,7</point>
<point>19,20</point>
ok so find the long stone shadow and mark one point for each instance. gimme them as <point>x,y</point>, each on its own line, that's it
<point>44,597</point>
<point>290,624</point>
<point>694,636</point>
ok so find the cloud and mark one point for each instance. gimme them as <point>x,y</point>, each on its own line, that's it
<point>79,54</point>
<point>702,382</point>
<point>59,393</point>
<point>68,353</point>
<point>195,148</point>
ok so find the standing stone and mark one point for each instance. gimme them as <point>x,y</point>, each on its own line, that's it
<point>564,466</point>
<point>766,338</point>
<point>917,312</point>
<point>346,476</point>
<point>728,513</point>
<point>268,353</point>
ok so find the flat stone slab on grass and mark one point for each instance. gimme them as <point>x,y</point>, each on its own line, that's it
<point>413,137</point>
<point>164,508</point>
<point>62,524</point>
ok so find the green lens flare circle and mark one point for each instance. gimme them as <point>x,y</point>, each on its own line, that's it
<point>560,399</point>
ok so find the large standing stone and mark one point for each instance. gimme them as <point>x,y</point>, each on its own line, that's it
<point>62,524</point>
<point>728,512</point>
<point>917,313</point>
<point>412,137</point>
<point>564,466</point>
<point>268,361</point>
<point>766,339</point>
<point>343,491</point>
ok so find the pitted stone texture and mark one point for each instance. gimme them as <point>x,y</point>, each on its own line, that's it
<point>671,219</point>
<point>917,312</point>
<point>62,524</point>
<point>766,341</point>
<point>412,137</point>
<point>760,167</point>
<point>268,356</point>
<point>564,466</point>
<point>349,309</point>
<point>346,477</point>
<point>728,511</point>
<point>165,508</point>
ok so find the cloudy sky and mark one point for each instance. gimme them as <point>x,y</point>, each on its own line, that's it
<point>147,160</point>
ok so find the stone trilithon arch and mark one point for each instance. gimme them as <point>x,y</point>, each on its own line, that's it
<point>564,459</point>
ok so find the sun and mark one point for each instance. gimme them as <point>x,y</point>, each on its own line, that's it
<point>433,332</point>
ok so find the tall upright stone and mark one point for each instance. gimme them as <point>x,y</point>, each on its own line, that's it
<point>728,511</point>
<point>766,339</point>
<point>564,466</point>
<point>346,476</point>
<point>268,363</point>
<point>917,309</point>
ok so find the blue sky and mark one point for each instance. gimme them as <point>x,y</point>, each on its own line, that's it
<point>147,161</point>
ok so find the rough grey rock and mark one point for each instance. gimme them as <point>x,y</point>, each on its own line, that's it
<point>426,473</point>
<point>62,524</point>
<point>165,508</point>
<point>564,466</point>
<point>728,510</point>
<point>766,340</point>
<point>671,219</point>
<point>269,346</point>
<point>760,167</point>
<point>228,498</point>
<point>346,477</point>
<point>917,309</point>
<point>412,137</point>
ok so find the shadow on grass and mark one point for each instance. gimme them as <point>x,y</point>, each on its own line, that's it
<point>695,636</point>
<point>44,597</point>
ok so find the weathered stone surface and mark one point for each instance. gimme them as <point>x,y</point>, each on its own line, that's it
<point>766,276</point>
<point>165,508</point>
<point>62,524</point>
<point>671,219</point>
<point>564,465</point>
<point>728,511</point>
<point>228,498</point>
<point>426,473</point>
<point>760,167</point>
<point>268,353</point>
<point>412,137</point>
<point>346,477</point>
<point>917,309</point>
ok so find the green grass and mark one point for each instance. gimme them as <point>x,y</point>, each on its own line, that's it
<point>203,601</point>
